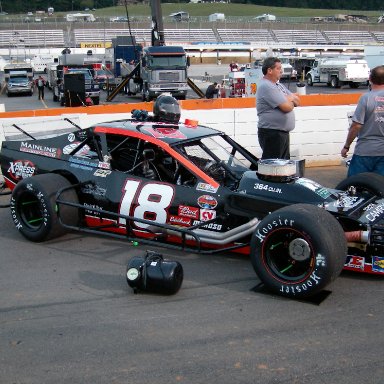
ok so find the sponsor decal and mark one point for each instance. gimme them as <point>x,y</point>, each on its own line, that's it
<point>207,214</point>
<point>71,137</point>
<point>212,226</point>
<point>70,147</point>
<point>267,188</point>
<point>104,165</point>
<point>179,220</point>
<point>323,192</point>
<point>21,169</point>
<point>346,201</point>
<point>90,209</point>
<point>84,151</point>
<point>102,172</point>
<point>164,132</point>
<point>81,164</point>
<point>38,149</point>
<point>207,202</point>
<point>378,264</point>
<point>356,262</point>
<point>187,211</point>
<point>375,212</point>
<point>204,187</point>
<point>309,184</point>
<point>94,190</point>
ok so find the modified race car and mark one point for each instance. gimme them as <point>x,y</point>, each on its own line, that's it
<point>188,186</point>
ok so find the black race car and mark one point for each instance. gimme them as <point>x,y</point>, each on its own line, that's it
<point>187,186</point>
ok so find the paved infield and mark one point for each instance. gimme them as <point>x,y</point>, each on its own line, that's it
<point>68,316</point>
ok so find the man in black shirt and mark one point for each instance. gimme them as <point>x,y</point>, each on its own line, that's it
<point>211,91</point>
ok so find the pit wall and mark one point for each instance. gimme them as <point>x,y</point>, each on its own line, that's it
<point>321,122</point>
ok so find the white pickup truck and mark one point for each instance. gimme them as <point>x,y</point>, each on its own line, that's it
<point>339,71</point>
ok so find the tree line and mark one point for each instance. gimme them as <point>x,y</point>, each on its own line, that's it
<point>21,6</point>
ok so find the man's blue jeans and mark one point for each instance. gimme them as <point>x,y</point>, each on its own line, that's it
<point>360,164</point>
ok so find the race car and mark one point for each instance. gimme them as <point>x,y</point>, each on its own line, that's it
<point>188,186</point>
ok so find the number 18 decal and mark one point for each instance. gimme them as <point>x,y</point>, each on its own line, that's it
<point>146,201</point>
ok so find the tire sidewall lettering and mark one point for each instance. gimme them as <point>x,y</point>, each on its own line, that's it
<point>263,234</point>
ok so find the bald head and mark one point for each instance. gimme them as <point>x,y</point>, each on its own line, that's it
<point>377,75</point>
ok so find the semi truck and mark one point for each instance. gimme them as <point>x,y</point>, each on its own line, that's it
<point>162,69</point>
<point>158,68</point>
<point>339,71</point>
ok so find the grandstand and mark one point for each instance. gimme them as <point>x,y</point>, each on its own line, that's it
<point>32,38</point>
<point>246,35</point>
<point>144,35</point>
<point>73,38</point>
<point>350,37</point>
<point>310,37</point>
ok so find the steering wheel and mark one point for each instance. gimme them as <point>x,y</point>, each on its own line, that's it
<point>215,170</point>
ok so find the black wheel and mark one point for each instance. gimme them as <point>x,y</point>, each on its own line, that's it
<point>372,183</point>
<point>298,250</point>
<point>335,82</point>
<point>96,101</point>
<point>143,94</point>
<point>309,80</point>
<point>33,207</point>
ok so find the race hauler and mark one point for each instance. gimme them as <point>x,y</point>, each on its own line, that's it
<point>339,71</point>
<point>162,69</point>
<point>18,79</point>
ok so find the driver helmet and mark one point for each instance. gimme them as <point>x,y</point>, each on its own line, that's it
<point>166,108</point>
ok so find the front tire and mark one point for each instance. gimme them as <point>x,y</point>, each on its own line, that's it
<point>33,207</point>
<point>309,80</point>
<point>368,182</point>
<point>298,250</point>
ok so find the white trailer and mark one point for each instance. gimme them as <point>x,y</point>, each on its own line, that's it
<point>216,17</point>
<point>339,71</point>
<point>87,17</point>
<point>374,54</point>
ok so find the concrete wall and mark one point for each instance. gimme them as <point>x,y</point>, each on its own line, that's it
<point>318,137</point>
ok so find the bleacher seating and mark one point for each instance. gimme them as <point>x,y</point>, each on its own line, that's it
<point>144,35</point>
<point>56,37</point>
<point>189,35</point>
<point>246,35</point>
<point>349,37</point>
<point>379,36</point>
<point>106,35</point>
<point>32,38</point>
<point>299,37</point>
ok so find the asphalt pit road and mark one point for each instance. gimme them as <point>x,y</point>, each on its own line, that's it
<point>316,299</point>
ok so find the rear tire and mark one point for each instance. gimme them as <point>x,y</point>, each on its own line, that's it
<point>335,82</point>
<point>33,207</point>
<point>298,250</point>
<point>364,182</point>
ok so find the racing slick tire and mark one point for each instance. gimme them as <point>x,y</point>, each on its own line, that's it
<point>298,250</point>
<point>33,207</point>
<point>369,182</point>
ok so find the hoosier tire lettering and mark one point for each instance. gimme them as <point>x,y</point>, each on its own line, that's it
<point>298,250</point>
<point>33,207</point>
